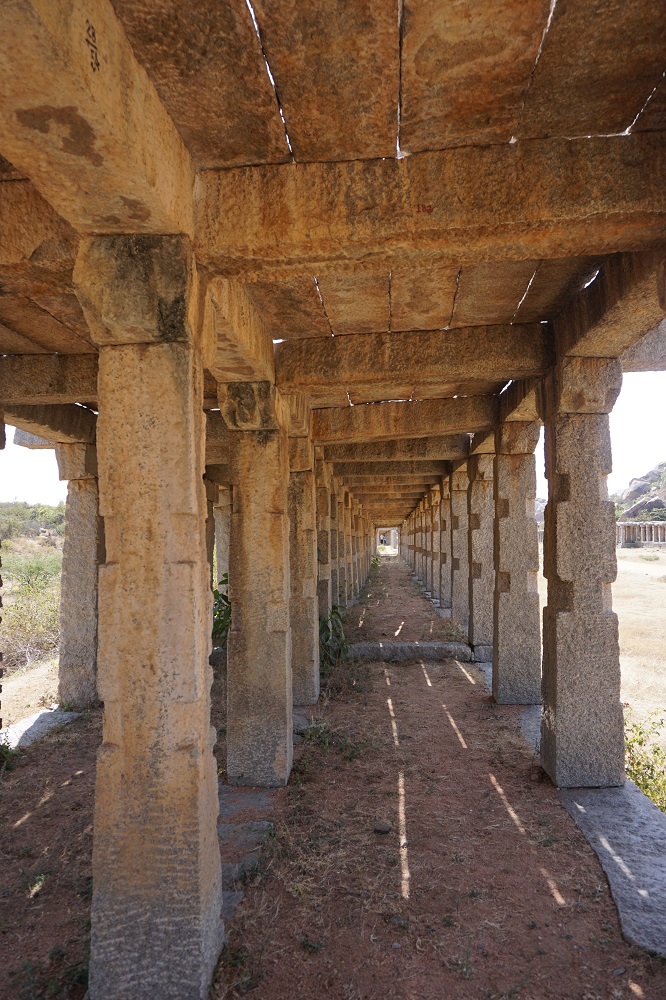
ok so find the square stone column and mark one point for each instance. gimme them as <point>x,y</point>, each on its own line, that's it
<point>212,493</point>
<point>582,738</point>
<point>435,548</point>
<point>322,484</point>
<point>460,546</point>
<point>333,544</point>
<point>427,544</point>
<point>82,553</point>
<point>304,612</point>
<point>480,510</point>
<point>342,550</point>
<point>222,515</point>
<point>349,567</point>
<point>259,670</point>
<point>156,924</point>
<point>445,543</point>
<point>418,542</point>
<point>516,625</point>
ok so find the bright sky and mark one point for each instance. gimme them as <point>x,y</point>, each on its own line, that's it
<point>638,431</point>
<point>638,435</point>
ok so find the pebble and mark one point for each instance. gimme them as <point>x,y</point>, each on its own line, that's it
<point>383,826</point>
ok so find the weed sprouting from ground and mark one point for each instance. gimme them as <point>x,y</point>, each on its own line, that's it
<point>645,758</point>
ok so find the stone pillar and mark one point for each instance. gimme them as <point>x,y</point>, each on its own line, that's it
<point>435,500</point>
<point>212,492</point>
<point>354,546</point>
<point>342,549</point>
<point>516,626</point>
<point>304,613</point>
<point>427,544</point>
<point>156,924</point>
<point>349,570</point>
<point>333,543</point>
<point>445,543</point>
<point>324,586</point>
<point>259,678</point>
<point>459,546</point>
<point>480,510</point>
<point>582,739</point>
<point>222,515</point>
<point>82,553</point>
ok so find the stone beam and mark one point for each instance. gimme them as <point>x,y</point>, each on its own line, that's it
<point>237,345</point>
<point>59,424</point>
<point>24,439</point>
<point>48,378</point>
<point>443,448</point>
<point>80,117</point>
<point>387,421</point>
<point>218,440</point>
<point>30,230</point>
<point>381,482</point>
<point>519,201</point>
<point>648,354</point>
<point>429,358</point>
<point>376,469</point>
<point>619,307</point>
<point>519,402</point>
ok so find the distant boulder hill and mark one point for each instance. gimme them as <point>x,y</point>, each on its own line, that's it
<point>645,494</point>
<point>642,496</point>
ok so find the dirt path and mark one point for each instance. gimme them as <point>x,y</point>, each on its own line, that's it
<point>392,607</point>
<point>482,888</point>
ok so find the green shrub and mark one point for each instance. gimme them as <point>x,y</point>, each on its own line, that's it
<point>645,758</point>
<point>30,625</point>
<point>333,645</point>
<point>34,570</point>
<point>221,610</point>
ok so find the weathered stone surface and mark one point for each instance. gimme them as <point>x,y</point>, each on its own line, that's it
<point>104,151</point>
<point>388,360</point>
<point>324,531</point>
<point>466,71</point>
<point>252,406</point>
<point>376,469</point>
<point>442,448</point>
<point>76,461</point>
<point>290,309</point>
<point>301,455</point>
<point>490,293</point>
<point>303,613</point>
<point>58,423</point>
<point>156,925</point>
<point>82,553</point>
<point>520,401</point>
<point>460,546</point>
<point>573,95</point>
<point>582,730</point>
<point>336,71</point>
<point>355,303</point>
<point>480,509</point>
<point>259,680</point>
<point>398,652</point>
<point>648,354</point>
<point>423,299</point>
<point>28,731</point>
<point>587,385</point>
<point>24,439</point>
<point>615,310</point>
<point>628,833</point>
<point>31,230</point>
<point>138,289</point>
<point>516,677</point>
<point>431,417</point>
<point>237,346</point>
<point>517,437</point>
<point>222,516</point>
<point>288,219</point>
<point>34,379</point>
<point>171,35</point>
<point>445,543</point>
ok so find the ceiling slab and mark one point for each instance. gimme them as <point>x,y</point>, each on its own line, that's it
<point>290,309</point>
<point>490,293</point>
<point>356,303</point>
<point>466,69</point>
<point>423,299</point>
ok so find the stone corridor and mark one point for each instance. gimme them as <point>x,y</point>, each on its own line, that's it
<point>482,887</point>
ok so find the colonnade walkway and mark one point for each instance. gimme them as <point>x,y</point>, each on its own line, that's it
<point>420,851</point>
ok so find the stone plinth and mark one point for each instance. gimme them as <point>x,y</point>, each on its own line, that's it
<point>259,683</point>
<point>459,547</point>
<point>481,569</point>
<point>304,616</point>
<point>83,550</point>
<point>582,740</point>
<point>517,631</point>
